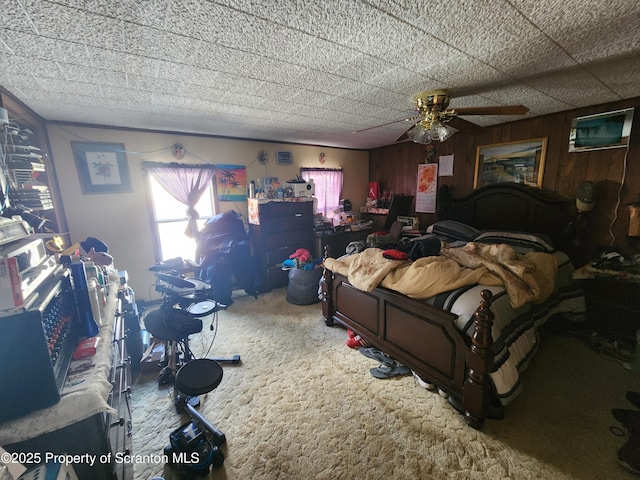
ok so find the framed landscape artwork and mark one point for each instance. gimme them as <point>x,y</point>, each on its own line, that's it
<point>512,162</point>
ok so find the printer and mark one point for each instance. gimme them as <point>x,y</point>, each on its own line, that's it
<point>302,189</point>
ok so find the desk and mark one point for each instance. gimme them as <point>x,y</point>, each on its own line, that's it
<point>81,422</point>
<point>338,242</point>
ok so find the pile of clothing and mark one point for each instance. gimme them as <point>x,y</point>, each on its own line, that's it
<point>301,259</point>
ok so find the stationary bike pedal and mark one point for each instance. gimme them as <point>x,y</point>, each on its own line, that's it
<point>166,376</point>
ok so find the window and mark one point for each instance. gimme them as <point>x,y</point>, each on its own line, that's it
<point>171,219</point>
<point>328,187</point>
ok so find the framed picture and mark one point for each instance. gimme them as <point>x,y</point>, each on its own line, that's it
<point>511,162</point>
<point>284,158</point>
<point>600,131</point>
<point>102,167</point>
<point>231,182</point>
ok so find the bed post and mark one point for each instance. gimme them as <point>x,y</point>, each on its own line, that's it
<point>475,399</point>
<point>326,284</point>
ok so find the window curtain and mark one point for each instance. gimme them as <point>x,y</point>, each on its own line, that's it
<point>186,183</point>
<point>328,187</point>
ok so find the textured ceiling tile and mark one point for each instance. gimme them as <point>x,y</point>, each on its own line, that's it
<point>323,55</point>
<point>224,59</point>
<point>255,67</point>
<point>621,77</point>
<point>14,18</point>
<point>363,67</point>
<point>283,12</point>
<point>318,81</point>
<point>379,34</point>
<point>236,83</point>
<point>577,89</point>
<point>336,21</point>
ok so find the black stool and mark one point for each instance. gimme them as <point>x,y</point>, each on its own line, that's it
<point>194,446</point>
<point>174,326</point>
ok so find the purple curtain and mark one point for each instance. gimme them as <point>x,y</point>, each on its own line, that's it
<point>186,183</point>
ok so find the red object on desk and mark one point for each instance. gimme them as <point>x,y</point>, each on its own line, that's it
<point>86,348</point>
<point>374,190</point>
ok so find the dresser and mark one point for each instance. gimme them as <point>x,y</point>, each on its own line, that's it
<point>612,300</point>
<point>278,228</point>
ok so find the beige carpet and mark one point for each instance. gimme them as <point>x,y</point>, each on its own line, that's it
<point>302,405</point>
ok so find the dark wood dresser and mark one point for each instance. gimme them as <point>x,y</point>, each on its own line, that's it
<point>613,300</point>
<point>277,228</point>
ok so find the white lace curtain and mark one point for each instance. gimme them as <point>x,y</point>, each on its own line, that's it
<point>328,186</point>
<point>186,183</point>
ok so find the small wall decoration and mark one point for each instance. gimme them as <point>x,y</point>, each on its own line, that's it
<point>102,167</point>
<point>231,181</point>
<point>511,162</point>
<point>178,151</point>
<point>284,158</point>
<point>427,188</point>
<point>600,131</point>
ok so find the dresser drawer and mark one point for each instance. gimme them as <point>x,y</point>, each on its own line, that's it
<point>293,222</point>
<point>293,240</point>
<point>285,209</point>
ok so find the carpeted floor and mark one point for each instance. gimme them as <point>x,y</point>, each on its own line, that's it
<point>302,405</point>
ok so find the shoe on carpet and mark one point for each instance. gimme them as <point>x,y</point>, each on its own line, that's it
<point>634,398</point>
<point>423,383</point>
<point>387,371</point>
<point>376,354</point>
<point>357,342</point>
<point>629,453</point>
<point>624,416</point>
<point>351,333</point>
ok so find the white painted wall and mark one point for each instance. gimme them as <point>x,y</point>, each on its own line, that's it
<point>122,221</point>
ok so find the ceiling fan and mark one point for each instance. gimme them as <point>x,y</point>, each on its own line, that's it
<point>437,121</point>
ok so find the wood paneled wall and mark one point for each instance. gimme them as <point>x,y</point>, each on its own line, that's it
<point>395,166</point>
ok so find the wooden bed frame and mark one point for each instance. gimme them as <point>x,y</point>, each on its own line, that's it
<point>423,337</point>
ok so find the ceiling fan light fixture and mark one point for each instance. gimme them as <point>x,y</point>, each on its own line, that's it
<point>420,134</point>
<point>440,131</point>
<point>425,132</point>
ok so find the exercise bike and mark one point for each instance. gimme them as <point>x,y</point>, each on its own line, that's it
<point>193,447</point>
<point>185,302</point>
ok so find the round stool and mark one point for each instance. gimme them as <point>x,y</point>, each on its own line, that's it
<point>198,376</point>
<point>195,378</point>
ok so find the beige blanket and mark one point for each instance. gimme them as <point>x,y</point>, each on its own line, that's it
<point>526,278</point>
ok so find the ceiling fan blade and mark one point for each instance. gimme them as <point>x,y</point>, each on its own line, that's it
<point>412,119</point>
<point>496,110</point>
<point>465,126</point>
<point>404,136</point>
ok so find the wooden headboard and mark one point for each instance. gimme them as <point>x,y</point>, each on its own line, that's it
<point>517,208</point>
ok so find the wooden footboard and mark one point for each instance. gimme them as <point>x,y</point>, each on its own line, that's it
<point>420,336</point>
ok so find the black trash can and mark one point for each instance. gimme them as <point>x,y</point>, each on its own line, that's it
<point>303,286</point>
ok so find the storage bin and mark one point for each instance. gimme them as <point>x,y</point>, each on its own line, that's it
<point>303,286</point>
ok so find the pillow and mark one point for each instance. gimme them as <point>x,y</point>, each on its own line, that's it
<point>453,229</point>
<point>522,242</point>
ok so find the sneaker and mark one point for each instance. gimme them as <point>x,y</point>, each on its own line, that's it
<point>357,342</point>
<point>351,333</point>
<point>423,383</point>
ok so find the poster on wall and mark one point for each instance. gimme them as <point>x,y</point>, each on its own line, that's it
<point>427,188</point>
<point>231,181</point>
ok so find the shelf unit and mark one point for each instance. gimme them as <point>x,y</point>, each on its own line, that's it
<point>27,172</point>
